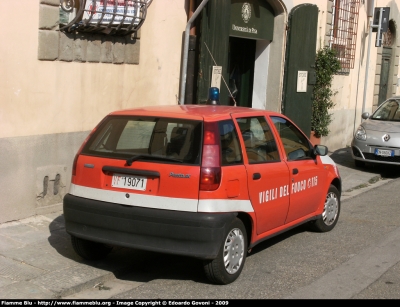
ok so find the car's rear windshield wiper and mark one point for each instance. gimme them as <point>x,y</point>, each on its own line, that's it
<point>130,160</point>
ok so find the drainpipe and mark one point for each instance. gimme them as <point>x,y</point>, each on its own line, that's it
<point>186,50</point>
<point>370,14</point>
<point>191,60</point>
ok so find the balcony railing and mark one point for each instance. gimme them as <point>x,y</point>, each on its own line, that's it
<point>112,17</point>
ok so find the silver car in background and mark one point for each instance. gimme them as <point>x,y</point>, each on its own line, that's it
<point>377,140</point>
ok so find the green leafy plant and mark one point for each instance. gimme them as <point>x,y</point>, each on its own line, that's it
<point>326,66</point>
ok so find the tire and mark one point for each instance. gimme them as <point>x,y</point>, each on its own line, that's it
<point>223,270</point>
<point>331,212</point>
<point>359,163</point>
<point>90,250</point>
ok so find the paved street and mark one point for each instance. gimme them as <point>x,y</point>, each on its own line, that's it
<point>358,259</point>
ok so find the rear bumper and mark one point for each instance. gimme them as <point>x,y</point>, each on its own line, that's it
<point>197,235</point>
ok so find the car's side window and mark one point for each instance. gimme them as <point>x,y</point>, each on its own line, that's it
<point>230,146</point>
<point>296,145</point>
<point>258,139</point>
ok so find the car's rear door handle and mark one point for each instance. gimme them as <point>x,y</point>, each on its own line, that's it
<point>295,171</point>
<point>256,176</point>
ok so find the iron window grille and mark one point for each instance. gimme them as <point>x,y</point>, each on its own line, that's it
<point>387,38</point>
<point>112,17</point>
<point>343,37</point>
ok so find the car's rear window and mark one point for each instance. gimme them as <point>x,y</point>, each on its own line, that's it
<point>154,138</point>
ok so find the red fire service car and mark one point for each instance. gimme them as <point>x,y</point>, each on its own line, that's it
<point>204,181</point>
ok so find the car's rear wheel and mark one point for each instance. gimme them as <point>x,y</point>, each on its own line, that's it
<point>359,163</point>
<point>229,263</point>
<point>90,250</point>
<point>331,212</point>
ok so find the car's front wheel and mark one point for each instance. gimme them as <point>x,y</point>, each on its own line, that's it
<point>90,250</point>
<point>229,263</point>
<point>330,215</point>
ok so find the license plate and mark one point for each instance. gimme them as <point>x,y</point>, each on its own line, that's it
<point>129,182</point>
<point>384,152</point>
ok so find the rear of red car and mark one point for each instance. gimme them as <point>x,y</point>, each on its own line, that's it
<point>199,181</point>
<point>136,183</point>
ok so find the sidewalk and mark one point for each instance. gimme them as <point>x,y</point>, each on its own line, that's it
<point>37,260</point>
<point>357,180</point>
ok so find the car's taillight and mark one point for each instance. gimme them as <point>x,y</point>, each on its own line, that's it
<point>210,173</point>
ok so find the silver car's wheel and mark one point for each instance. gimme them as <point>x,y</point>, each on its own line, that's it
<point>359,163</point>
<point>229,263</point>
<point>330,215</point>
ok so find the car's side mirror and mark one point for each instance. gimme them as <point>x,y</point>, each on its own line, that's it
<point>365,115</point>
<point>320,150</point>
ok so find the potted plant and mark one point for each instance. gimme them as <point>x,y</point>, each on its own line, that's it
<point>326,66</point>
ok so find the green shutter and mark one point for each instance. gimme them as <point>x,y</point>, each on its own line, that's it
<point>300,56</point>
